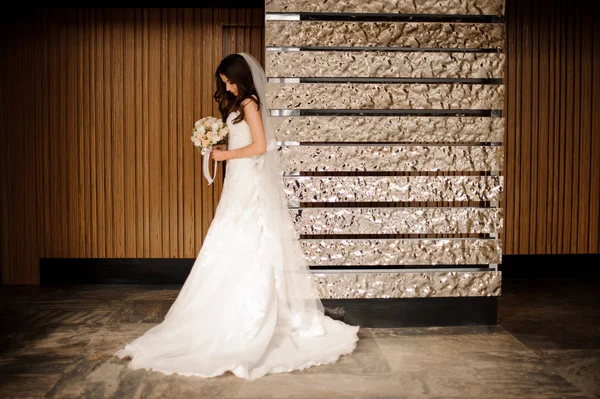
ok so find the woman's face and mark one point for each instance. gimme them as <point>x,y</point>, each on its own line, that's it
<point>230,87</point>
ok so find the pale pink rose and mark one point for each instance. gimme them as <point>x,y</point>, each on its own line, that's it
<point>205,143</point>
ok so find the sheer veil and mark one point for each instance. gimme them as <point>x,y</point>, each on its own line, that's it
<point>299,300</point>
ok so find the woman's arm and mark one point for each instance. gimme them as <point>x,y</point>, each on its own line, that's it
<point>259,141</point>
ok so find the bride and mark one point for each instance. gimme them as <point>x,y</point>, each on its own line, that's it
<point>249,305</point>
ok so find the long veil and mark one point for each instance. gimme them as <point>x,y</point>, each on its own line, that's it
<point>297,292</point>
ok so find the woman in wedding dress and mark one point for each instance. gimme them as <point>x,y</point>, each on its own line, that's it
<point>249,305</point>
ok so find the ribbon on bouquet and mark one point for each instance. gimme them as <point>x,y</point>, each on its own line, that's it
<point>206,159</point>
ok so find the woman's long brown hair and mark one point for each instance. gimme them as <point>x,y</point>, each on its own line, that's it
<point>236,69</point>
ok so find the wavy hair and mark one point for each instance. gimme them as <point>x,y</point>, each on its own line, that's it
<point>236,69</point>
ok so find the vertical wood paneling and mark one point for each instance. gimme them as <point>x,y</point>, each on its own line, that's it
<point>154,96</point>
<point>556,160</point>
<point>107,94</point>
<point>188,108</point>
<point>568,147</point>
<point>130,194</point>
<point>543,124</point>
<point>5,193</point>
<point>524,141</point>
<point>552,169</point>
<point>173,177</point>
<point>535,144</point>
<point>510,109</point>
<point>97,109</point>
<point>93,139</point>
<point>117,142</point>
<point>594,205</point>
<point>74,133</point>
<point>584,116</point>
<point>145,44</point>
<point>206,88</point>
<point>139,149</point>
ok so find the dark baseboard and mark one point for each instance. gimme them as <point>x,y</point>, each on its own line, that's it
<point>176,270</point>
<point>550,266</point>
<point>417,312</point>
<point>114,270</point>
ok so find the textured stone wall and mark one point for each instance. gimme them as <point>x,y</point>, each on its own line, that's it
<point>389,129</point>
<point>385,64</point>
<point>389,252</point>
<point>461,7</point>
<point>383,34</point>
<point>356,95</point>
<point>384,96</point>
<point>393,188</point>
<point>391,158</point>
<point>397,220</point>
<point>408,285</point>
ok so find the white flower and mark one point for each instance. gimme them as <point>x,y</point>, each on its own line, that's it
<point>214,126</point>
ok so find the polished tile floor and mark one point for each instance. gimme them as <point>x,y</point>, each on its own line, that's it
<point>55,342</point>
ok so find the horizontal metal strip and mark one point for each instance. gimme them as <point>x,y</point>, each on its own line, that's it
<point>390,252</point>
<point>391,158</point>
<point>494,113</point>
<point>407,237</point>
<point>384,96</point>
<point>483,81</point>
<point>392,204</point>
<point>388,34</point>
<point>395,143</point>
<point>401,268</point>
<point>363,49</point>
<point>426,284</point>
<point>397,220</point>
<point>397,189</point>
<point>380,17</point>
<point>329,144</point>
<point>370,128</point>
<point>448,7</point>
<point>384,64</point>
<point>388,173</point>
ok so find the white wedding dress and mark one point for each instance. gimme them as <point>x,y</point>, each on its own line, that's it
<point>239,309</point>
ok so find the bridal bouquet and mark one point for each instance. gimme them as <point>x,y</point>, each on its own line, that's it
<point>208,132</point>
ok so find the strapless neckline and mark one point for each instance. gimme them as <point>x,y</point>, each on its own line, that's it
<point>229,118</point>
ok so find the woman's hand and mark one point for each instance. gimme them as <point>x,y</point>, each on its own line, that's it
<point>222,147</point>
<point>218,155</point>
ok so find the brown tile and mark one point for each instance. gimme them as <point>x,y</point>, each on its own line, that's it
<point>580,367</point>
<point>142,311</point>
<point>113,337</point>
<point>106,376</point>
<point>29,386</point>
<point>36,361</point>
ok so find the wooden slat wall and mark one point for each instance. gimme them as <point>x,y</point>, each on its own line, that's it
<point>97,107</point>
<point>552,196</point>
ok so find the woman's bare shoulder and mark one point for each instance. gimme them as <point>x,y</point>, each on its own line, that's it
<point>250,100</point>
